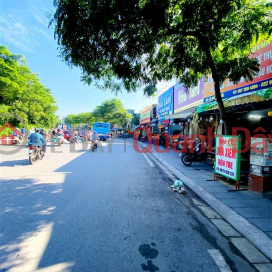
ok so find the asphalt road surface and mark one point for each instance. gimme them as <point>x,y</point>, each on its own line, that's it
<point>111,210</point>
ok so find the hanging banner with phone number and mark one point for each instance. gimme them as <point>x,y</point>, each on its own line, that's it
<point>263,52</point>
<point>227,157</point>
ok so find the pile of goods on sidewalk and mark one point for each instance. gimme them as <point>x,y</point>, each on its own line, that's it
<point>178,187</point>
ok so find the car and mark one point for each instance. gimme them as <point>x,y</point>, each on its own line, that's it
<point>67,135</point>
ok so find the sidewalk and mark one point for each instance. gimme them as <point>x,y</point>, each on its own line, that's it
<point>248,212</point>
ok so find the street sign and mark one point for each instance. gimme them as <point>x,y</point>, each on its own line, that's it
<point>227,157</point>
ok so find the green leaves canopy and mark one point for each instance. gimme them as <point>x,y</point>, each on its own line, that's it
<point>113,112</point>
<point>129,43</point>
<point>22,93</point>
<point>78,119</point>
<point>110,111</point>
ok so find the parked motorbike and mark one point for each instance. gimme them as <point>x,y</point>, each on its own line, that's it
<point>34,154</point>
<point>188,158</point>
<point>143,139</point>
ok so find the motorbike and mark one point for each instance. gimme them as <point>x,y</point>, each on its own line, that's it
<point>58,140</point>
<point>188,158</point>
<point>93,146</point>
<point>73,140</point>
<point>143,139</point>
<point>84,139</point>
<point>34,154</point>
<point>120,136</point>
<point>17,140</point>
<point>162,141</point>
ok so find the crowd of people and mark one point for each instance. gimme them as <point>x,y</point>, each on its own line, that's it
<point>39,136</point>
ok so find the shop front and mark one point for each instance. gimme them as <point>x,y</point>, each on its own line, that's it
<point>165,107</point>
<point>145,116</point>
<point>154,120</point>
<point>185,102</point>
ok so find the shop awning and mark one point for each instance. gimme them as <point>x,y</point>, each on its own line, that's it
<point>181,115</point>
<point>257,96</point>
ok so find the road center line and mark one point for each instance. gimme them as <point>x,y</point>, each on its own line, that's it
<point>219,260</point>
<point>149,161</point>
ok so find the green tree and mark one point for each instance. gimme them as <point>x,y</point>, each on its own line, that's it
<point>22,93</point>
<point>70,119</point>
<point>135,120</point>
<point>125,44</point>
<point>79,119</point>
<point>113,112</point>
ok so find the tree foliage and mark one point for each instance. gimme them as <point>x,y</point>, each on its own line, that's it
<point>135,120</point>
<point>126,44</point>
<point>110,111</point>
<point>21,92</point>
<point>79,119</point>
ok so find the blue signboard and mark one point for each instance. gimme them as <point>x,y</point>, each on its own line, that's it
<point>165,104</point>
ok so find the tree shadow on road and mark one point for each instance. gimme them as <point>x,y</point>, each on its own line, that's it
<point>25,207</point>
<point>28,205</point>
<point>14,163</point>
<point>84,234</point>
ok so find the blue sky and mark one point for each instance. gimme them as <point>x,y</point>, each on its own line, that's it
<point>24,30</point>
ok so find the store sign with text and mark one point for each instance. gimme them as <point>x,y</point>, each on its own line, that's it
<point>165,104</point>
<point>185,99</point>
<point>263,52</point>
<point>145,115</point>
<point>227,157</point>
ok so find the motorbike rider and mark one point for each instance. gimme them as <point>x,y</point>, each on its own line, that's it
<point>95,138</point>
<point>60,133</point>
<point>84,135</point>
<point>36,139</point>
<point>23,131</point>
<point>89,135</point>
<point>162,138</point>
<point>16,135</point>
<point>43,133</point>
<point>31,131</point>
<point>73,135</point>
<point>199,145</point>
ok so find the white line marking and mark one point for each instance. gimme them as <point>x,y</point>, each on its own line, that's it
<point>149,161</point>
<point>219,260</point>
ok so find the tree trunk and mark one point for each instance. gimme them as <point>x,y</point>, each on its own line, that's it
<point>216,80</point>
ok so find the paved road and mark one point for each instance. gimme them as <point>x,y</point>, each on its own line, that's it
<point>101,211</point>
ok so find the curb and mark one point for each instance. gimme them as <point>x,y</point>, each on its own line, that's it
<point>253,234</point>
